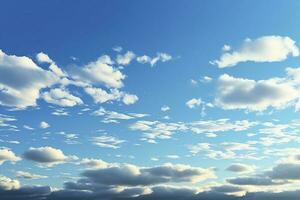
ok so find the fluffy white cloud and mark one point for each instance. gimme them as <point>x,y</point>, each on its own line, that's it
<point>100,71</point>
<point>44,125</point>
<point>8,155</point>
<point>101,96</point>
<point>263,49</point>
<point>126,58</point>
<point>47,156</point>
<point>43,58</point>
<point>129,99</point>
<point>61,97</point>
<point>19,76</point>
<point>239,93</point>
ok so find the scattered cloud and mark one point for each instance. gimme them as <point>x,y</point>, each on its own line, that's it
<point>107,141</point>
<point>263,49</point>
<point>47,156</point>
<point>126,58</point>
<point>27,175</point>
<point>44,125</point>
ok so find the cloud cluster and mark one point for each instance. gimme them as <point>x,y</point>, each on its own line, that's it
<point>99,79</point>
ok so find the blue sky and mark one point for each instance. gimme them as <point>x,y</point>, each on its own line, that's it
<point>149,99</point>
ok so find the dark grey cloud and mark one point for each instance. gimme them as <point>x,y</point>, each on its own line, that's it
<point>240,168</point>
<point>285,171</point>
<point>227,189</point>
<point>158,192</point>
<point>26,193</point>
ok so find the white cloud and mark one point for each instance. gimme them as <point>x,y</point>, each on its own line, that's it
<point>113,116</point>
<point>172,156</point>
<point>126,58</point>
<point>226,47</point>
<point>192,103</point>
<point>158,130</point>
<point>61,97</point>
<point>44,125</point>
<point>100,71</point>
<point>5,122</point>
<point>27,175</point>
<point>19,76</point>
<point>47,156</point>
<point>196,148</point>
<point>94,163</point>
<point>206,79</point>
<point>163,57</point>
<point>165,108</point>
<point>239,93</point>
<point>263,49</point>
<point>129,99</point>
<point>101,96</point>
<point>107,141</point>
<point>7,155</point>
<point>117,48</point>
<point>43,58</point>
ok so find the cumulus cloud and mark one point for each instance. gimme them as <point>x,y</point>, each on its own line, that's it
<point>8,155</point>
<point>263,49</point>
<point>47,156</point>
<point>129,99</point>
<point>100,71</point>
<point>19,76</point>
<point>239,93</point>
<point>131,175</point>
<point>61,97</point>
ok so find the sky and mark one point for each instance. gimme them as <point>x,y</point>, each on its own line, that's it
<point>129,99</point>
